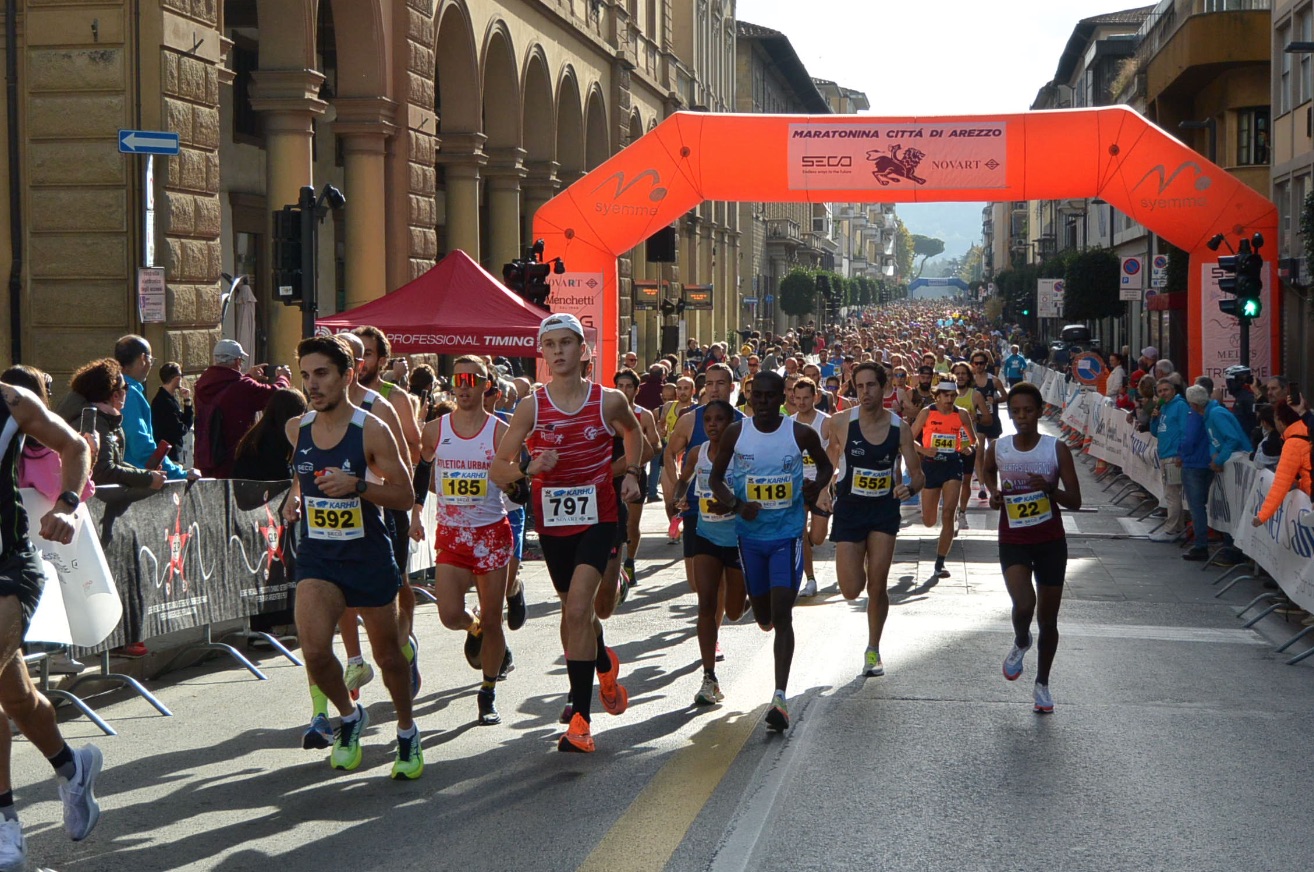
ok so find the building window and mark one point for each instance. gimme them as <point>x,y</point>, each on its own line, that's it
<point>1284,80</point>
<point>1252,137</point>
<point>247,126</point>
<point>1302,32</point>
<point>1281,196</point>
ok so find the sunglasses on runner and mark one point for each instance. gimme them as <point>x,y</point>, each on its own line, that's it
<point>468,380</point>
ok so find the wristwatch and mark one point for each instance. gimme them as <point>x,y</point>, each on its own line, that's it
<point>361,485</point>
<point>70,499</point>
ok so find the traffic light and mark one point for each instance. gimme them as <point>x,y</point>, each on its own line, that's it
<point>289,286</point>
<point>536,288</point>
<point>1227,283</point>
<point>513,276</point>
<point>1243,278</point>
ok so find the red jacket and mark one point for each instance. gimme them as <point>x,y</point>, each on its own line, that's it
<point>241,398</point>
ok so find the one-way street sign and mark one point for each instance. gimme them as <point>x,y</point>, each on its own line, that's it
<point>148,142</point>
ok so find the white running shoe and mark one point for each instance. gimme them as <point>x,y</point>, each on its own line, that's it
<point>872,666</point>
<point>709,693</point>
<point>1013,662</point>
<point>13,847</point>
<point>809,587</point>
<point>357,675</point>
<point>81,811</point>
<point>1044,702</point>
<point>962,519</point>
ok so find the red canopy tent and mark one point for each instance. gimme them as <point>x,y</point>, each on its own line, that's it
<point>455,308</point>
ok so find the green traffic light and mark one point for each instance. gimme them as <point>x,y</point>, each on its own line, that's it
<point>1251,307</point>
<point>1026,311</point>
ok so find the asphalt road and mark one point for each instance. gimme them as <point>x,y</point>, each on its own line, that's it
<point>1179,741</point>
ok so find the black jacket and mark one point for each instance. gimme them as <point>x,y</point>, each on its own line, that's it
<point>171,421</point>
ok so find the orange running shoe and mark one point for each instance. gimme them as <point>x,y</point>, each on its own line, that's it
<point>577,737</point>
<point>615,698</point>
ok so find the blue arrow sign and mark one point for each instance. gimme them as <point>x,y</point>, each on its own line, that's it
<point>148,142</point>
<point>769,298</point>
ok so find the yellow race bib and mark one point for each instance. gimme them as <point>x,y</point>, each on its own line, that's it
<point>464,487</point>
<point>944,443</point>
<point>771,491</point>
<point>334,520</point>
<point>872,482</point>
<point>1028,509</point>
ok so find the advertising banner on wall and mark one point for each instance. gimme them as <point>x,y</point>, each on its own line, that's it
<point>1221,345</point>
<point>912,156</point>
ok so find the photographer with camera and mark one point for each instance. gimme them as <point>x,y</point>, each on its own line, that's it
<point>227,402</point>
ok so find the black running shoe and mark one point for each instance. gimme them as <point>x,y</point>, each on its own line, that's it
<point>508,666</point>
<point>474,646</point>
<point>488,716</point>
<point>516,609</point>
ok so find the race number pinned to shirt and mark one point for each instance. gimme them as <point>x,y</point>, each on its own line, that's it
<point>771,491</point>
<point>1028,509</point>
<point>872,482</point>
<point>464,487</point>
<point>944,444</point>
<point>809,468</point>
<point>705,500</point>
<point>334,520</point>
<point>570,506</point>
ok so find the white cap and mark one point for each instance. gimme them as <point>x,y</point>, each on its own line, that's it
<point>947,386</point>
<point>560,321</point>
<point>228,349</point>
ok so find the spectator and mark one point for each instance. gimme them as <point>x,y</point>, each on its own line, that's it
<point>1197,474</point>
<point>1268,450</point>
<point>1117,376</point>
<point>1014,366</point>
<point>650,387</point>
<point>1173,411</point>
<point>134,356</point>
<point>38,466</point>
<point>1145,364</point>
<point>170,418</point>
<point>227,404</point>
<point>263,453</point>
<point>423,386</point>
<point>1240,384</point>
<point>102,384</point>
<point>1293,467</point>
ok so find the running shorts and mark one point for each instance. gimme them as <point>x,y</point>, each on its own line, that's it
<point>854,525</point>
<point>769,564</point>
<point>398,524</point>
<point>562,554</point>
<point>969,464</point>
<point>23,576</point>
<point>517,521</point>
<point>364,585</point>
<point>940,472</point>
<point>727,554</point>
<point>622,525</point>
<point>643,488</point>
<point>690,534</point>
<point>480,550</point>
<point>994,431</point>
<point>1048,561</point>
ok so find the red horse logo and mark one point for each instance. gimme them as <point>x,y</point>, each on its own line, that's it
<point>893,168</point>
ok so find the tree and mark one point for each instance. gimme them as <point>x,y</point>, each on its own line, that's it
<point>973,264</point>
<point>798,293</point>
<point>1091,286</point>
<point>926,247</point>
<point>903,251</point>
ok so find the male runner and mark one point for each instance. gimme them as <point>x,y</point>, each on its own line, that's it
<point>568,429</point>
<point>473,540</point>
<point>627,382</point>
<point>666,419</point>
<point>920,395</point>
<point>517,608</point>
<point>866,444</point>
<point>1023,474</point>
<point>22,579</point>
<point>767,493</point>
<point>988,427</point>
<point>972,401</point>
<point>940,431</point>
<point>805,412</point>
<point>349,469</point>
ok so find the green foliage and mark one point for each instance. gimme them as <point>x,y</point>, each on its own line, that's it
<point>1307,229</point>
<point>798,292</point>
<point>1091,286</point>
<point>926,247</point>
<point>903,251</point>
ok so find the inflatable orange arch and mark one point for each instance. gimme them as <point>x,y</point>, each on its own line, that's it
<point>1112,153</point>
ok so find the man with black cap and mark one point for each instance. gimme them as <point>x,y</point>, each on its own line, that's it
<point>227,402</point>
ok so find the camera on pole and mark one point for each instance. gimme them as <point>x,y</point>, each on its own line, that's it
<point>527,277</point>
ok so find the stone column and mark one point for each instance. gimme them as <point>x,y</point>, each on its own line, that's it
<point>365,125</point>
<point>463,159</point>
<point>504,171</point>
<point>290,102</point>
<point>540,185</point>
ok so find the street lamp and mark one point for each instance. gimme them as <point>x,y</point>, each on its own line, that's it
<point>1210,124</point>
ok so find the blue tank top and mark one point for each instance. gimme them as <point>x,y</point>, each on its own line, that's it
<point>717,529</point>
<point>867,478</point>
<point>768,469</point>
<point>339,529</point>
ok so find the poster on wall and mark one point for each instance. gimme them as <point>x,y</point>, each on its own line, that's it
<point>898,157</point>
<point>1221,334</point>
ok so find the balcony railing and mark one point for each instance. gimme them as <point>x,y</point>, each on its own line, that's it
<point>785,229</point>
<point>1169,15</point>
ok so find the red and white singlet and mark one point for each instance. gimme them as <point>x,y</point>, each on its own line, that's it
<point>578,492</point>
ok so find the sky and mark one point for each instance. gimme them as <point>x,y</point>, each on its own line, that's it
<point>932,57</point>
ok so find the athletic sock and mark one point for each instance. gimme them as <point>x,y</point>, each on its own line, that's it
<point>408,651</point>
<point>358,660</point>
<point>408,734</point>
<point>604,659</point>
<point>351,718</point>
<point>489,683</point>
<point>318,701</point>
<point>65,766</point>
<point>710,673</point>
<point>939,561</point>
<point>581,686</point>
<point>7,810</point>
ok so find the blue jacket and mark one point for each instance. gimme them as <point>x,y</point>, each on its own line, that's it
<point>1194,447</point>
<point>1226,435</point>
<point>139,433</point>
<point>1172,422</point>
<point>1015,366</point>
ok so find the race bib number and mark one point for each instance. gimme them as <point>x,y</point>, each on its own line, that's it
<point>872,482</point>
<point>1028,509</point>
<point>771,491</point>
<point>945,444</point>
<point>464,487</point>
<point>334,520</point>
<point>705,500</point>
<point>809,468</point>
<point>570,506</point>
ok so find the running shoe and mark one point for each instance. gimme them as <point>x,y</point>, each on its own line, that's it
<point>318,735</point>
<point>474,645</point>
<point>1013,662</point>
<point>409,764</point>
<point>1044,702</point>
<point>615,698</point>
<point>516,609</point>
<point>962,519</point>
<point>720,655</point>
<point>777,716</point>
<point>809,587</point>
<point>416,680</point>
<point>871,663</point>
<point>488,716</point>
<point>346,741</point>
<point>567,713</point>
<point>13,847</point>
<point>622,586</point>
<point>673,529</point>
<point>508,666</point>
<point>981,494</point>
<point>357,675</point>
<point>628,565</point>
<point>1196,555</point>
<point>709,693</point>
<point>81,811</point>
<point>577,737</point>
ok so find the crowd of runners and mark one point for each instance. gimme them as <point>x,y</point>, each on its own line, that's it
<point>758,454</point>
